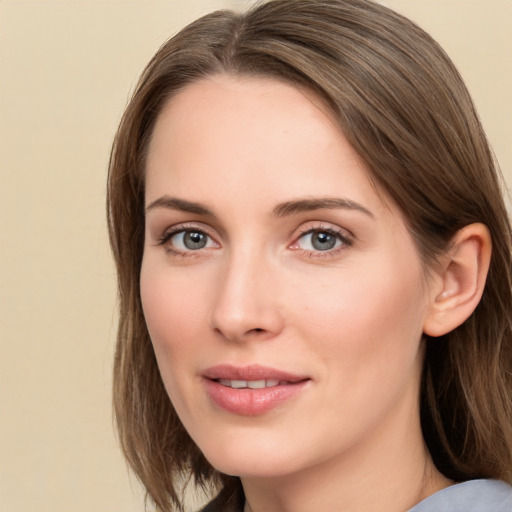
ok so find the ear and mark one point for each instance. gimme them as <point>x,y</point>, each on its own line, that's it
<point>458,284</point>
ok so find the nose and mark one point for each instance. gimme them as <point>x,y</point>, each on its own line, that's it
<point>246,305</point>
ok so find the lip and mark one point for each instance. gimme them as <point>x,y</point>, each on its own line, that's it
<point>251,402</point>
<point>250,372</point>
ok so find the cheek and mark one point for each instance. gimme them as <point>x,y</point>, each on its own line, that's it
<point>368,317</point>
<point>172,309</point>
<point>367,334</point>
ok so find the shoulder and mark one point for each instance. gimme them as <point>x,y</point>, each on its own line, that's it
<point>472,496</point>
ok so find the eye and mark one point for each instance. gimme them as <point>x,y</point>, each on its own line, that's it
<point>190,240</point>
<point>186,240</point>
<point>321,240</point>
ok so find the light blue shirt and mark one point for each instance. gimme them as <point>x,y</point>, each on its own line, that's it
<point>471,496</point>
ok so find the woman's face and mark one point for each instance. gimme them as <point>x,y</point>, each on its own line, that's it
<point>284,296</point>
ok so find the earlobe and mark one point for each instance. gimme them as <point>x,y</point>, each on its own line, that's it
<point>460,280</point>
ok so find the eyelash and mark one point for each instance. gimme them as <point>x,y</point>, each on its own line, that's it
<point>340,235</point>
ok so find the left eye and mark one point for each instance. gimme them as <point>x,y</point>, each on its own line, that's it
<point>320,240</point>
<point>190,240</point>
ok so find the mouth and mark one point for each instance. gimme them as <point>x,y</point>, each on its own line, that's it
<point>251,390</point>
<point>255,374</point>
<point>252,384</point>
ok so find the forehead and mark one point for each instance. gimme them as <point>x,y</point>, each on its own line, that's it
<point>244,99</point>
<point>253,134</point>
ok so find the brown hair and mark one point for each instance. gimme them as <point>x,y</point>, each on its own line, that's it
<point>404,108</point>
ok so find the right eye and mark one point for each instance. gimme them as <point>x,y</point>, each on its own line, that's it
<point>186,240</point>
<point>189,240</point>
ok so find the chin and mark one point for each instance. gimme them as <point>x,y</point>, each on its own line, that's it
<point>252,468</point>
<point>250,460</point>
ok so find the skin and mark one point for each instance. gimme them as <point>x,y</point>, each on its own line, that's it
<point>350,317</point>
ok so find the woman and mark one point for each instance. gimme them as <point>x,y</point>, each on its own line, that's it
<point>314,269</point>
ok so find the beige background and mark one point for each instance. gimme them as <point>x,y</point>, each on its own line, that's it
<point>66,71</point>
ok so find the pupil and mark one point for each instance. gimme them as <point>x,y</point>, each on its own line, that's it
<point>323,241</point>
<point>194,240</point>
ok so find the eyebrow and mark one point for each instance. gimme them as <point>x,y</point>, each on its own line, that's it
<point>173,203</point>
<point>320,203</point>
<point>281,210</point>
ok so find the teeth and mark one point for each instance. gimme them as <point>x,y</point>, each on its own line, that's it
<point>251,384</point>
<point>256,384</point>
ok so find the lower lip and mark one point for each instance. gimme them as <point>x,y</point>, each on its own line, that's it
<point>251,402</point>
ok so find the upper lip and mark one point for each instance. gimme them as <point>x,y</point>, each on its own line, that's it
<point>250,373</point>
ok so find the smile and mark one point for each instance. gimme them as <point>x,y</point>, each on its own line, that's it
<point>252,390</point>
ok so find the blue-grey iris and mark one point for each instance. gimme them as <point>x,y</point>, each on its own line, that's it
<point>323,241</point>
<point>194,240</point>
